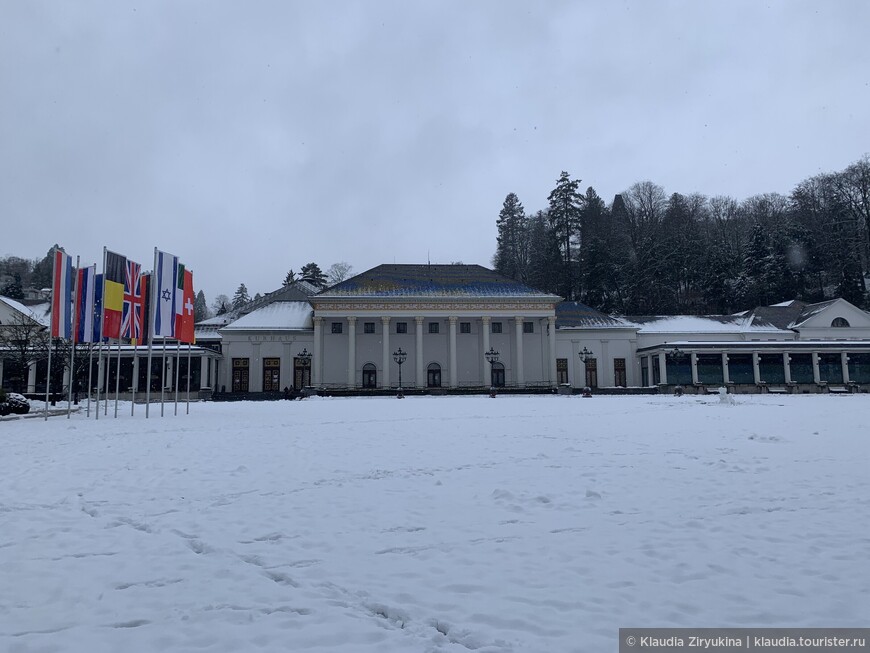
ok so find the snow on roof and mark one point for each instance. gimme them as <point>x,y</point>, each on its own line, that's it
<point>576,315</point>
<point>278,315</point>
<point>697,324</point>
<point>40,313</point>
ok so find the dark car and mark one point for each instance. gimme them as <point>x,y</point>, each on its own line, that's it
<point>14,403</point>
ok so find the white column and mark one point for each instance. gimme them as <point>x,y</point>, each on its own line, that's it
<point>317,362</point>
<point>605,367</point>
<point>135,372</point>
<point>726,378</point>
<point>551,336</point>
<point>649,370</point>
<point>351,352</point>
<point>31,377</point>
<point>485,366</point>
<point>518,364</point>
<point>756,370</point>
<point>817,377</point>
<point>385,322</point>
<point>695,380</point>
<point>170,374</point>
<point>255,370</point>
<point>454,373</point>
<point>420,372</point>
<point>663,368</point>
<point>786,367</point>
<point>66,378</point>
<point>844,362</point>
<point>204,380</point>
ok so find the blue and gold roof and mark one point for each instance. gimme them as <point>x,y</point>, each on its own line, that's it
<point>431,281</point>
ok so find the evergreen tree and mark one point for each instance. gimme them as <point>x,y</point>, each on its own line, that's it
<point>313,275</point>
<point>42,269</point>
<point>290,278</point>
<point>511,256</point>
<point>13,289</point>
<point>221,305</point>
<point>544,261</point>
<point>565,202</point>
<point>241,297</point>
<point>200,308</point>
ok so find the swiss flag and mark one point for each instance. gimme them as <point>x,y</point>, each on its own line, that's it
<point>184,321</point>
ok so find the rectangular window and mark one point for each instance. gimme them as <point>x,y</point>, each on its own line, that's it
<point>619,372</point>
<point>368,327</point>
<point>336,327</point>
<point>433,327</point>
<point>562,370</point>
<point>401,327</point>
<point>496,327</point>
<point>465,327</point>
<point>528,327</point>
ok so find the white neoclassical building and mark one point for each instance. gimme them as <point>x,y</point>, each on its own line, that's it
<point>445,318</point>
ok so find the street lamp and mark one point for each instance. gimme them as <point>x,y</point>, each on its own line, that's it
<point>677,355</point>
<point>585,357</point>
<point>492,358</point>
<point>400,357</point>
<point>305,358</point>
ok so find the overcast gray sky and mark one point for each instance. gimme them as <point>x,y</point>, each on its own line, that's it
<point>253,137</point>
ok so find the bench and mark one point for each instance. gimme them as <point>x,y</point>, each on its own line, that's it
<point>838,390</point>
<point>777,390</point>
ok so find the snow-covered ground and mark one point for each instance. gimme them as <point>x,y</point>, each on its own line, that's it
<point>432,524</point>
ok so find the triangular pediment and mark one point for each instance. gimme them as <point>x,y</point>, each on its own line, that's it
<point>826,314</point>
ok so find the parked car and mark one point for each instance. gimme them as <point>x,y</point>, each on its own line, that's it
<point>14,403</point>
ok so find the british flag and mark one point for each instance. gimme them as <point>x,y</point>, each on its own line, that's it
<point>132,320</point>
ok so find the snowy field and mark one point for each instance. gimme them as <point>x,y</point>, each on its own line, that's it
<point>435,524</point>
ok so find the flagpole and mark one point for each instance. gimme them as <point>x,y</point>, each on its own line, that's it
<point>90,373</point>
<point>135,381</point>
<point>187,412</point>
<point>72,340</point>
<point>99,369</point>
<point>163,377</point>
<point>118,377</point>
<point>108,371</point>
<point>177,371</point>
<point>54,318</point>
<point>150,333</point>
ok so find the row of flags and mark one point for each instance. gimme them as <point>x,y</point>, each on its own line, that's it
<point>89,307</point>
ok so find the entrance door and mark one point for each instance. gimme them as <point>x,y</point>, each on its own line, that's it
<point>301,373</point>
<point>497,375</point>
<point>240,375</point>
<point>369,376</point>
<point>271,374</point>
<point>433,375</point>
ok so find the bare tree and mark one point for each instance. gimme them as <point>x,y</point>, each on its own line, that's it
<point>338,272</point>
<point>23,341</point>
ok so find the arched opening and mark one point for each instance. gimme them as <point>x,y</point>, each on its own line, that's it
<point>369,376</point>
<point>840,322</point>
<point>497,375</point>
<point>433,376</point>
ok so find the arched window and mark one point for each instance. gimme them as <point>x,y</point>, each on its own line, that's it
<point>497,375</point>
<point>433,376</point>
<point>840,322</point>
<point>370,376</point>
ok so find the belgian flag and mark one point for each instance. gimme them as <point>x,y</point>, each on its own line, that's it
<point>113,294</point>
